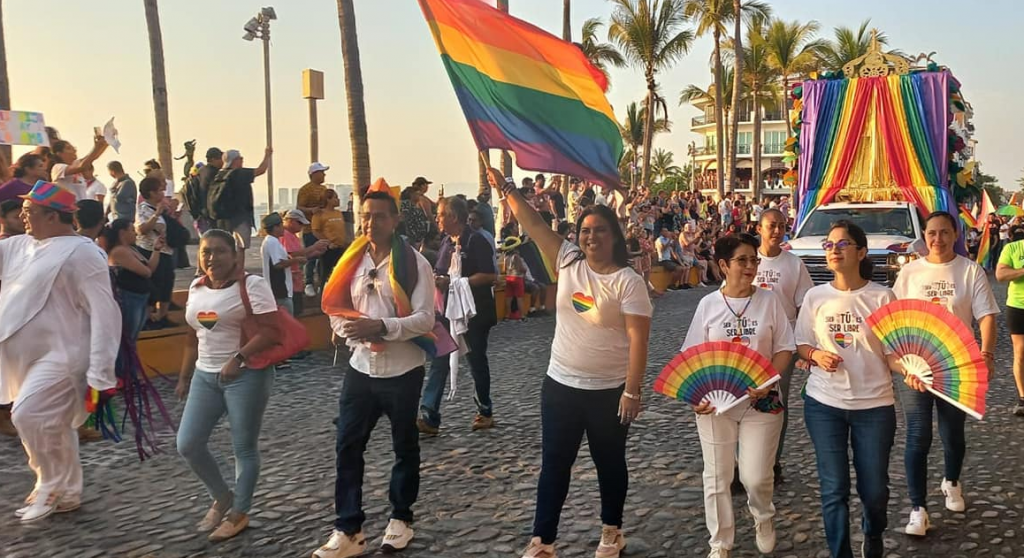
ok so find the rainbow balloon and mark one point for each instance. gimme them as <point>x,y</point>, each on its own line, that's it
<point>719,372</point>
<point>937,347</point>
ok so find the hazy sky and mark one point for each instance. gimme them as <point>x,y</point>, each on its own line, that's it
<point>81,62</point>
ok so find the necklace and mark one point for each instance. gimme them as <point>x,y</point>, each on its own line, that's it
<point>745,306</point>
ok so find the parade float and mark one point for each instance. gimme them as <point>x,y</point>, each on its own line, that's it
<point>883,144</point>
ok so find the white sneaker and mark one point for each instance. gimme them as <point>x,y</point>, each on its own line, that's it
<point>954,496</point>
<point>719,553</point>
<point>396,536</point>
<point>764,533</point>
<point>341,545</point>
<point>310,291</point>
<point>41,507</point>
<point>612,542</point>
<point>919,522</point>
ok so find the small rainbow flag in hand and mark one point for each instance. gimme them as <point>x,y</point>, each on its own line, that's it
<point>526,91</point>
<point>970,220</point>
<point>985,246</point>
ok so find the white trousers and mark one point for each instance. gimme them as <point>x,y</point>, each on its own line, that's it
<point>47,419</point>
<point>755,436</point>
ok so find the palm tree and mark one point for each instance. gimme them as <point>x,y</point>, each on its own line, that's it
<point>848,45</point>
<point>156,61</point>
<point>663,165</point>
<point>693,94</point>
<point>792,50</point>
<point>650,35</point>
<point>601,55</point>
<point>760,83</point>
<point>634,131</point>
<point>354,95</point>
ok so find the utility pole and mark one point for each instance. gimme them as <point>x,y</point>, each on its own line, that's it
<point>313,89</point>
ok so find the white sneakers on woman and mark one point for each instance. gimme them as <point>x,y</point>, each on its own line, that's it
<point>954,496</point>
<point>919,522</point>
<point>396,538</point>
<point>764,534</point>
<point>612,542</point>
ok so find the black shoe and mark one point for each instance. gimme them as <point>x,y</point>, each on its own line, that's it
<point>872,548</point>
<point>779,478</point>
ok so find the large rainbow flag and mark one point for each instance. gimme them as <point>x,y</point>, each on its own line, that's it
<point>876,138</point>
<point>527,91</point>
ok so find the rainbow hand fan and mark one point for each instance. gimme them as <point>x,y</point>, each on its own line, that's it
<point>934,345</point>
<point>719,372</point>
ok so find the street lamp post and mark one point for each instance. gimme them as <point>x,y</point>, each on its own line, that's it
<point>258,27</point>
<point>692,152</point>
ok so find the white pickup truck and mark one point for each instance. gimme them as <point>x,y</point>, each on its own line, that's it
<point>894,231</point>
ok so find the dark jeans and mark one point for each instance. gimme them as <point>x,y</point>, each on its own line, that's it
<point>917,411</point>
<point>566,414</point>
<point>870,433</point>
<point>363,401</point>
<point>327,262</point>
<point>309,239</point>
<point>476,339</point>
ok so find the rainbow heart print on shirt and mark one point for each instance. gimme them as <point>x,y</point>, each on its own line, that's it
<point>582,303</point>
<point>844,340</point>
<point>207,319</point>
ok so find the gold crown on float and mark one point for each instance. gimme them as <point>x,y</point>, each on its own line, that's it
<point>876,63</point>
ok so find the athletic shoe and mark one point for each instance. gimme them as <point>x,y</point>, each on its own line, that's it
<point>538,549</point>
<point>40,508</point>
<point>481,422</point>
<point>872,548</point>
<point>341,545</point>
<point>396,536</point>
<point>228,528</point>
<point>765,536</point>
<point>612,542</point>
<point>310,291</point>
<point>954,496</point>
<point>919,522</point>
<point>718,553</point>
<point>426,429</point>
<point>28,504</point>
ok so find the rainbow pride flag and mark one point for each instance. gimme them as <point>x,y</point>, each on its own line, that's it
<point>969,220</point>
<point>985,246</point>
<point>526,91</point>
<point>542,268</point>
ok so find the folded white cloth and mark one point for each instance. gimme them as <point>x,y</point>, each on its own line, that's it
<point>459,310</point>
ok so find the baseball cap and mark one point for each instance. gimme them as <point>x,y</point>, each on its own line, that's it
<point>420,181</point>
<point>317,167</point>
<point>271,221</point>
<point>231,155</point>
<point>296,215</point>
<point>214,153</point>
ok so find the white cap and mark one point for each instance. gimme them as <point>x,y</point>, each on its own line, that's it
<point>317,167</point>
<point>230,156</point>
<point>296,215</point>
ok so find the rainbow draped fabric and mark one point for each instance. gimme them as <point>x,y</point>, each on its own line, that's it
<point>876,134</point>
<point>526,91</point>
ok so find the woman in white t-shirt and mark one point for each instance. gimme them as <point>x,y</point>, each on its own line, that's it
<point>216,382</point>
<point>849,401</point>
<point>598,358</point>
<point>959,284</point>
<point>741,312</point>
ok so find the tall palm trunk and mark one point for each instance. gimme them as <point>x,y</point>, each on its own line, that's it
<point>737,88</point>
<point>755,177</point>
<point>719,124</point>
<point>645,174</point>
<point>5,85</point>
<point>356,106</point>
<point>156,61</point>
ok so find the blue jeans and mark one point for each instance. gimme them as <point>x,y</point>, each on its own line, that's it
<point>134,311</point>
<point>309,239</point>
<point>363,400</point>
<point>870,433</point>
<point>476,340</point>
<point>917,411</point>
<point>244,400</point>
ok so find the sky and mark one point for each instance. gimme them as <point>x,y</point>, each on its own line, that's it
<point>92,63</point>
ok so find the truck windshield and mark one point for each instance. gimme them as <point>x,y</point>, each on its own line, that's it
<point>882,220</point>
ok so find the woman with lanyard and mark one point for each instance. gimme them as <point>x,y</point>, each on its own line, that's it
<point>849,397</point>
<point>214,379</point>
<point>743,313</point>
<point>594,378</point>
<point>945,278</point>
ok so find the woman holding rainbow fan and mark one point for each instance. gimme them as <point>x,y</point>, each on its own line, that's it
<point>742,313</point>
<point>945,278</point>
<point>849,397</point>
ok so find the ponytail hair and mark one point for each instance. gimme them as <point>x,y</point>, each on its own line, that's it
<point>860,239</point>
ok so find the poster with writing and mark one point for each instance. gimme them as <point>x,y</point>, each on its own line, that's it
<point>22,128</point>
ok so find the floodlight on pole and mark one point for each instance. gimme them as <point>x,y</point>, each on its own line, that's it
<point>268,13</point>
<point>249,35</point>
<point>258,27</point>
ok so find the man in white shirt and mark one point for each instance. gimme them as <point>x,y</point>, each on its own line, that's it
<point>55,344</point>
<point>725,209</point>
<point>277,262</point>
<point>94,189</point>
<point>786,275</point>
<point>67,172</point>
<point>385,374</point>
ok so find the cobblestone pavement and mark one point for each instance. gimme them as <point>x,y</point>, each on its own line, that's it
<point>478,489</point>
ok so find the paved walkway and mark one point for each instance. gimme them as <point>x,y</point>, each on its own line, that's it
<point>478,488</point>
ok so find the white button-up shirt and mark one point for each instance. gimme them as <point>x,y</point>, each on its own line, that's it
<point>400,355</point>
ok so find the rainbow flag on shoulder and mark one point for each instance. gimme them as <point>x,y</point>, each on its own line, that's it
<point>526,91</point>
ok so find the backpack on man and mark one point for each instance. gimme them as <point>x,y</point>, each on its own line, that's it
<point>220,200</point>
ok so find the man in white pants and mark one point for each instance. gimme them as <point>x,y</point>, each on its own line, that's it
<point>60,329</point>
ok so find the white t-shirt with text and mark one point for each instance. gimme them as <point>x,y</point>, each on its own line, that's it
<point>787,276</point>
<point>836,321</point>
<point>959,284</point>
<point>591,348</point>
<point>762,326</point>
<point>217,315</point>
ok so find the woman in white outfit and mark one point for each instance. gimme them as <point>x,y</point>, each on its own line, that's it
<point>742,313</point>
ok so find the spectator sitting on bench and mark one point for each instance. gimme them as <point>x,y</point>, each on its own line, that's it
<point>667,258</point>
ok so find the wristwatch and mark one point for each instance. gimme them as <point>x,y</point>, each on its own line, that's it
<point>240,358</point>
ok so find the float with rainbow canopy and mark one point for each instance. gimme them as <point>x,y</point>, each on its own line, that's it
<point>718,372</point>
<point>934,345</point>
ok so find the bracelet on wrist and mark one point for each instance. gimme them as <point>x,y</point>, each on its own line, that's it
<point>634,397</point>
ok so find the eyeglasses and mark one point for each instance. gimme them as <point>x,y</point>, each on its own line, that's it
<point>828,245</point>
<point>373,280</point>
<point>746,262</point>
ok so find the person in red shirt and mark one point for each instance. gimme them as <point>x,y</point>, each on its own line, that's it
<point>294,220</point>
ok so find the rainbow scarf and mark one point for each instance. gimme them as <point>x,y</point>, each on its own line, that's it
<point>402,276</point>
